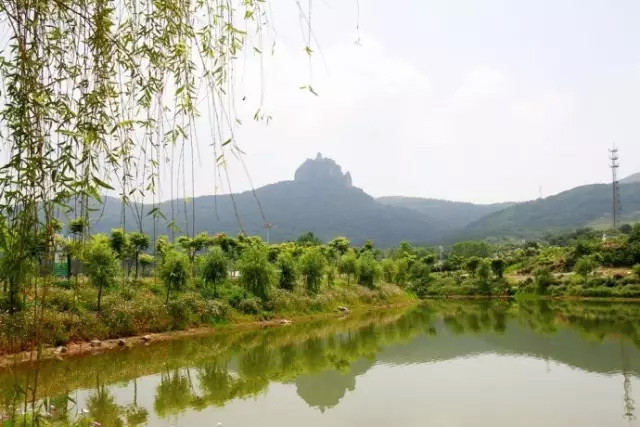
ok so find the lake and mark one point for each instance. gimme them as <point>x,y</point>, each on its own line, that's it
<point>443,363</point>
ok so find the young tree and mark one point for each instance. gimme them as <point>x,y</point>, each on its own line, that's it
<point>255,271</point>
<point>174,272</point>
<point>146,261</point>
<point>331,275</point>
<point>101,265</point>
<point>389,270</point>
<point>118,241</point>
<point>585,266</point>
<point>309,238</point>
<point>498,266</point>
<point>368,270</point>
<point>340,244</point>
<point>288,272</point>
<point>139,243</point>
<point>483,272</point>
<point>402,271</point>
<point>193,245</point>
<point>77,226</point>
<point>121,245</point>
<point>543,279</point>
<point>348,265</point>
<point>367,247</point>
<point>162,246</point>
<point>215,268</point>
<point>421,278</point>
<point>312,265</point>
<point>472,265</point>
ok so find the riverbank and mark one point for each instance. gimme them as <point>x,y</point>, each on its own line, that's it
<point>71,315</point>
<point>238,322</point>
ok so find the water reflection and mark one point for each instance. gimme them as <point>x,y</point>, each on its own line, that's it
<point>323,360</point>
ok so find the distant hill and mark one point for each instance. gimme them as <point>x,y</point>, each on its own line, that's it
<point>631,178</point>
<point>320,199</point>
<point>589,205</point>
<point>449,215</point>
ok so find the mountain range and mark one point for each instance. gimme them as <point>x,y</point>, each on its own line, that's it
<point>322,199</point>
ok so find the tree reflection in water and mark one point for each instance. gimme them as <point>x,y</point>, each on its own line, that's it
<point>323,359</point>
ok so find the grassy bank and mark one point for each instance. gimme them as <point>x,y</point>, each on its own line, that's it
<point>138,308</point>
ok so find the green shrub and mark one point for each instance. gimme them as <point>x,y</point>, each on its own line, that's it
<point>119,317</point>
<point>497,266</point>
<point>61,299</point>
<point>543,279</point>
<point>630,291</point>
<point>180,313</point>
<point>213,311</point>
<point>604,281</point>
<point>256,273</point>
<point>54,327</point>
<point>232,294</point>
<point>249,305</point>
<point>585,266</point>
<point>63,284</point>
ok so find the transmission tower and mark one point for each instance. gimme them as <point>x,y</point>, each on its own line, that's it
<point>615,185</point>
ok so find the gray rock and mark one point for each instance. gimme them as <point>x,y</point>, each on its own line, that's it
<point>61,350</point>
<point>343,309</point>
<point>122,342</point>
<point>96,343</point>
<point>146,338</point>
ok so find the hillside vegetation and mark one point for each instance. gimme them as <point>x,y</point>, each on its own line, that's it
<point>446,214</point>
<point>575,208</point>
<point>322,199</point>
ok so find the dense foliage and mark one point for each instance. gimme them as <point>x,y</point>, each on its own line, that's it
<point>205,278</point>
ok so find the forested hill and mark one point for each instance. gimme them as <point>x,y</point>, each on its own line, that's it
<point>321,199</point>
<point>588,205</point>
<point>452,215</point>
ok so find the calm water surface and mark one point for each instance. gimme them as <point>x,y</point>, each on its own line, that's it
<point>446,363</point>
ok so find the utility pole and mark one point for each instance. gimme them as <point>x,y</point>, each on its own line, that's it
<point>615,185</point>
<point>267,226</point>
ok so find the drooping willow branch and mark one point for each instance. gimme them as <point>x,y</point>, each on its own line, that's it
<point>103,95</point>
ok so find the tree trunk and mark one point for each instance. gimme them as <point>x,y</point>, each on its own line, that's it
<point>166,301</point>
<point>99,296</point>
<point>137,257</point>
<point>12,298</point>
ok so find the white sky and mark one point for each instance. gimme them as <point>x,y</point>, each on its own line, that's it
<point>480,101</point>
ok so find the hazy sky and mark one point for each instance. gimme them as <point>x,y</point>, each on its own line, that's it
<point>472,100</point>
